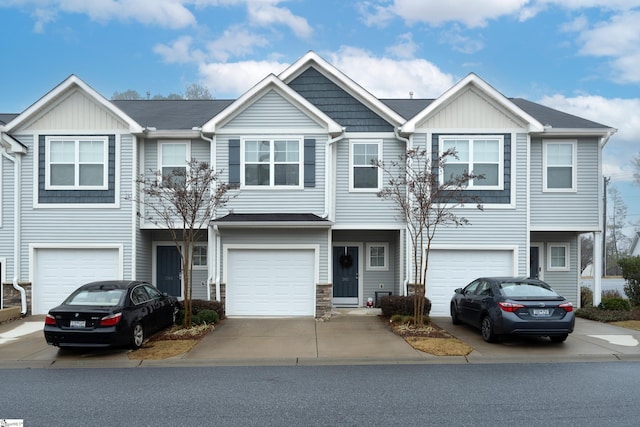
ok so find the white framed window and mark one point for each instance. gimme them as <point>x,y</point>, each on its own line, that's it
<point>377,256</point>
<point>559,164</point>
<point>363,174</point>
<point>76,162</point>
<point>272,162</point>
<point>199,256</point>
<point>173,159</point>
<point>558,257</point>
<point>479,155</point>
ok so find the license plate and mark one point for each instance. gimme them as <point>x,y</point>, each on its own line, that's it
<point>77,324</point>
<point>540,311</point>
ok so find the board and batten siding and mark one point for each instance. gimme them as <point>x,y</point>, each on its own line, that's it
<point>566,210</point>
<point>78,225</point>
<point>359,208</point>
<point>274,199</point>
<point>252,237</point>
<point>271,112</point>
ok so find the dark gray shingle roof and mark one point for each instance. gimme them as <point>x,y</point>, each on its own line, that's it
<point>172,113</point>
<point>6,118</point>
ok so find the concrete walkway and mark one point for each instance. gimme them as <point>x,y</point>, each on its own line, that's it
<point>349,337</point>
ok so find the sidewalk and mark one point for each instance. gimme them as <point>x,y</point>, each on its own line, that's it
<point>351,337</point>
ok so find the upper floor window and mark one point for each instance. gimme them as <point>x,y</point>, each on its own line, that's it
<point>559,158</point>
<point>174,157</point>
<point>76,163</point>
<point>364,174</point>
<point>272,162</point>
<point>478,155</point>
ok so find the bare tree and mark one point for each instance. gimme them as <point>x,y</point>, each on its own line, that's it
<point>197,91</point>
<point>425,202</point>
<point>184,201</point>
<point>617,242</point>
<point>635,161</point>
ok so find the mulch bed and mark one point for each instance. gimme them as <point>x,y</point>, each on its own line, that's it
<point>430,330</point>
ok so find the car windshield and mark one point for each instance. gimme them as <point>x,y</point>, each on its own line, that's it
<point>102,297</point>
<point>527,290</point>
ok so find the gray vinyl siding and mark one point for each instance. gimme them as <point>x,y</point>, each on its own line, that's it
<point>573,210</point>
<point>253,236</point>
<point>563,282</point>
<point>77,225</point>
<point>275,200</point>
<point>498,227</point>
<point>358,208</point>
<point>271,112</point>
<point>7,220</point>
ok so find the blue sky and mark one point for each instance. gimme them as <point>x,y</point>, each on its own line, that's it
<point>579,56</point>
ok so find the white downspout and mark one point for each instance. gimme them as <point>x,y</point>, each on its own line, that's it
<point>407,249</point>
<point>210,275</point>
<point>328,170</point>
<point>218,260</point>
<point>17,164</point>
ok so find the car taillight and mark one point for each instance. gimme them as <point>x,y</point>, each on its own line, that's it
<point>511,307</point>
<point>50,320</point>
<point>111,320</point>
<point>566,306</point>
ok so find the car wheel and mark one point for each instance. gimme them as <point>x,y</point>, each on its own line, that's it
<point>487,330</point>
<point>454,315</point>
<point>559,338</point>
<point>137,335</point>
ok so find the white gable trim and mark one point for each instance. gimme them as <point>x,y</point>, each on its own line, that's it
<point>71,82</point>
<point>271,82</point>
<point>472,79</point>
<point>14,145</point>
<point>338,77</point>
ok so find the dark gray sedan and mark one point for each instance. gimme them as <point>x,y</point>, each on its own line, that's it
<point>513,306</point>
<point>109,313</point>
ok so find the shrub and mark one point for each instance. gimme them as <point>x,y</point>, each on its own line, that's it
<point>586,296</point>
<point>198,305</point>
<point>208,316</point>
<point>597,314</point>
<point>631,273</point>
<point>612,293</point>
<point>395,304</point>
<point>615,304</point>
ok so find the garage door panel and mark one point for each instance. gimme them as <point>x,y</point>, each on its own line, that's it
<point>270,282</point>
<point>58,272</point>
<point>451,269</point>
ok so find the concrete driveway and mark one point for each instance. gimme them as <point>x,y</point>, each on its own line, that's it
<point>350,337</point>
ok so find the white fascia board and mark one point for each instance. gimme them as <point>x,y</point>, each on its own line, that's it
<point>472,79</point>
<point>14,145</point>
<point>268,83</point>
<point>59,90</point>
<point>564,132</point>
<point>343,81</point>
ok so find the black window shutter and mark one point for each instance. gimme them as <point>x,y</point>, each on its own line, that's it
<point>309,162</point>
<point>234,163</point>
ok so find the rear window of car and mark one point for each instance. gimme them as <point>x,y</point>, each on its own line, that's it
<point>101,297</point>
<point>525,290</point>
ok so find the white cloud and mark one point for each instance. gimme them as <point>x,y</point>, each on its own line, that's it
<point>235,42</point>
<point>404,48</point>
<point>179,51</point>
<point>389,78</point>
<point>265,13</point>
<point>232,79</point>
<point>460,42</point>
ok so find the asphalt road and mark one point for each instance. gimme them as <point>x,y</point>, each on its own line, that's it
<point>585,394</point>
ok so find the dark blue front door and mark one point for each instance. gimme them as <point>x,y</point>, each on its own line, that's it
<point>345,275</point>
<point>168,265</point>
<point>534,262</point>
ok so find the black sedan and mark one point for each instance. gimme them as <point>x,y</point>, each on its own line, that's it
<point>109,313</point>
<point>513,306</point>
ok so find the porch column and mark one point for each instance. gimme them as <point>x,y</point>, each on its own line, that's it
<point>597,268</point>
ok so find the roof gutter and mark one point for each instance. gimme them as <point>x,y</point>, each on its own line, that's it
<point>17,164</point>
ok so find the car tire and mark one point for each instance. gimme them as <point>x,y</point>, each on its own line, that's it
<point>486,327</point>
<point>454,315</point>
<point>559,338</point>
<point>137,335</point>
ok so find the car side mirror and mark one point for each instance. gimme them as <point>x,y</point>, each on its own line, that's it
<point>458,291</point>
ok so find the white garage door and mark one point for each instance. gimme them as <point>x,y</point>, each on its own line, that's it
<point>451,269</point>
<point>275,282</point>
<point>58,272</point>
